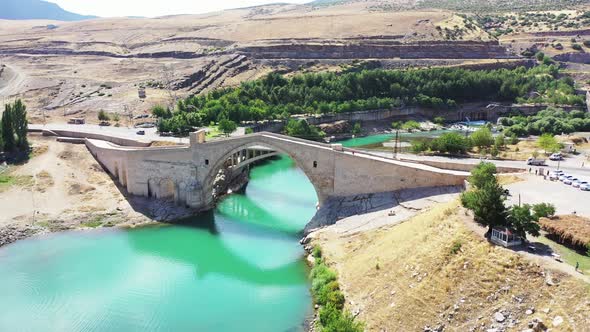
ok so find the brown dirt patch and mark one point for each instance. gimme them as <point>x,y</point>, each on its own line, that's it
<point>79,189</point>
<point>569,229</point>
<point>163,143</point>
<point>44,181</point>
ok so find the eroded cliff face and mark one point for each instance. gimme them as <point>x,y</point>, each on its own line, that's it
<point>377,49</point>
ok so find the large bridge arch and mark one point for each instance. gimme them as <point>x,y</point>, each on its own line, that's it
<point>306,166</point>
<point>332,170</point>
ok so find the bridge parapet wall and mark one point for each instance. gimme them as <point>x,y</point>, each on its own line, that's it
<point>187,174</point>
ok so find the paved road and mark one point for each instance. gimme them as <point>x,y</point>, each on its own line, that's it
<point>123,132</point>
<point>537,190</point>
<point>571,165</point>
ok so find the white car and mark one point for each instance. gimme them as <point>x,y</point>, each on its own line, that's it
<point>556,156</point>
<point>563,177</point>
<point>585,187</point>
<point>576,183</point>
<point>582,183</point>
<point>554,175</point>
<point>568,180</point>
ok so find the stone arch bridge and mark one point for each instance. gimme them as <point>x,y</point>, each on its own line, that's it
<point>186,174</point>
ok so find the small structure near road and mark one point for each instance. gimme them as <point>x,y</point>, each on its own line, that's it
<point>505,236</point>
<point>77,121</point>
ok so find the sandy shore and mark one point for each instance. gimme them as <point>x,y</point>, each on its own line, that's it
<point>63,187</point>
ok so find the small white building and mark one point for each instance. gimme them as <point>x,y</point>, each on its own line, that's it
<point>505,236</point>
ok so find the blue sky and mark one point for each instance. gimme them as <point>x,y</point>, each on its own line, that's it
<point>151,8</point>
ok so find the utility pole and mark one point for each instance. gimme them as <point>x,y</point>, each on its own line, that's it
<point>395,144</point>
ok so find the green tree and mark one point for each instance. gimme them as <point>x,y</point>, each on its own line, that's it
<point>356,129</point>
<point>482,138</point>
<point>14,126</point>
<point>419,146</point>
<point>8,129</point>
<point>487,204</point>
<point>484,172</point>
<point>523,221</point>
<point>439,120</point>
<point>487,197</point>
<point>161,112</point>
<point>548,143</point>
<point>450,143</point>
<point>514,139</point>
<point>396,125</point>
<point>20,124</point>
<point>500,141</point>
<point>300,128</point>
<point>540,56</point>
<point>494,152</point>
<point>227,126</point>
<point>543,210</point>
<point>411,125</point>
<point>103,116</point>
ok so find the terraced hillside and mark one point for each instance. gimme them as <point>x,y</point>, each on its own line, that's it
<point>66,68</point>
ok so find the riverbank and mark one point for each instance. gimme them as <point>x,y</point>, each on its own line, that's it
<point>62,187</point>
<point>433,264</point>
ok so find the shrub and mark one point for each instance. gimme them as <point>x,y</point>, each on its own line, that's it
<point>411,125</point>
<point>356,129</point>
<point>162,112</point>
<point>103,116</point>
<point>455,247</point>
<point>577,47</point>
<point>419,146</point>
<point>482,138</point>
<point>326,292</point>
<point>494,152</point>
<point>317,252</point>
<point>450,143</point>
<point>396,125</point>
<point>543,210</point>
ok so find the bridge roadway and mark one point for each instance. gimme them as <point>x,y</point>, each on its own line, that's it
<point>186,173</point>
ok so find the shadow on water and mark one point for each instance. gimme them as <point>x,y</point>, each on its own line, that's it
<point>206,250</point>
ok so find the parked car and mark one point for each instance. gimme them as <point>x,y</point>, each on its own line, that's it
<point>535,162</point>
<point>568,180</point>
<point>575,183</point>
<point>140,132</point>
<point>563,177</point>
<point>585,186</point>
<point>556,156</point>
<point>582,183</point>
<point>554,175</point>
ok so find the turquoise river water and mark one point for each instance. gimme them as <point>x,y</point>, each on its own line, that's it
<point>238,268</point>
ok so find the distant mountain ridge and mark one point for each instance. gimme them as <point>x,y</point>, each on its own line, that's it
<point>36,10</point>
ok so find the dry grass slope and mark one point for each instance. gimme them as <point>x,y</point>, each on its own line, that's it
<point>570,229</point>
<point>432,270</point>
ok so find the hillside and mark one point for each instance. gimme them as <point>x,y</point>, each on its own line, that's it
<point>479,6</point>
<point>36,10</point>
<point>433,271</point>
<point>81,67</point>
